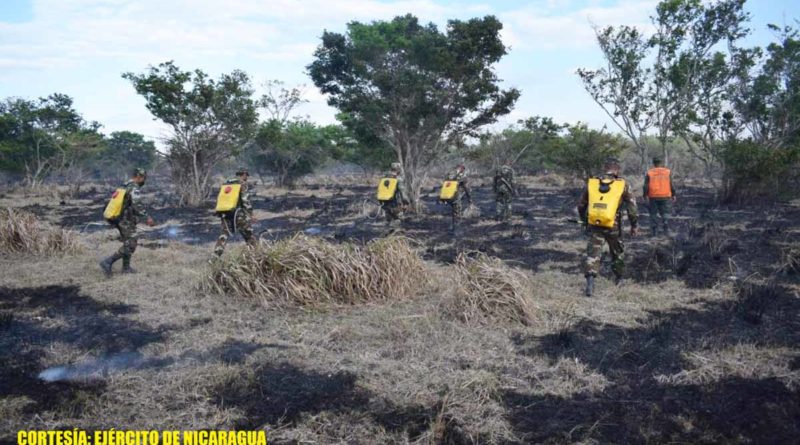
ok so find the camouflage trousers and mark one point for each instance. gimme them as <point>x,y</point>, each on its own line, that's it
<point>594,251</point>
<point>394,215</point>
<point>456,212</point>
<point>659,211</point>
<point>129,238</point>
<point>231,223</point>
<point>503,206</point>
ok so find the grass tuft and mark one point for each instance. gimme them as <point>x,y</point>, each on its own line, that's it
<point>488,289</point>
<point>308,271</point>
<point>22,232</point>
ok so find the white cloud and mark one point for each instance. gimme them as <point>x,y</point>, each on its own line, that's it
<point>549,27</point>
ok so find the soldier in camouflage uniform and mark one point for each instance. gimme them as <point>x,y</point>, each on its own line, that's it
<point>394,209</point>
<point>457,207</point>
<point>612,236</point>
<point>504,189</point>
<point>132,210</point>
<point>240,219</point>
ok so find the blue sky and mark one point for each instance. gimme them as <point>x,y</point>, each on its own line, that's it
<point>80,47</point>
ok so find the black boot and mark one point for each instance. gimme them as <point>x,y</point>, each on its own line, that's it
<point>108,263</point>
<point>126,265</point>
<point>618,280</point>
<point>589,285</point>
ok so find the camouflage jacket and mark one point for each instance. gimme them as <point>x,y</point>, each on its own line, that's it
<point>244,195</point>
<point>504,180</point>
<point>628,203</point>
<point>461,177</point>
<point>133,206</point>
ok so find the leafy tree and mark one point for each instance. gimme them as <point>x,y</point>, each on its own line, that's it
<point>43,135</point>
<point>416,89</point>
<point>353,142</point>
<point>210,120</point>
<point>125,151</point>
<point>526,145</point>
<point>289,150</point>
<point>677,87</point>
<point>769,100</point>
<point>584,150</point>
<point>620,87</point>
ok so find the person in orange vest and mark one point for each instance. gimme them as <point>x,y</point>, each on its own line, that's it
<point>659,193</point>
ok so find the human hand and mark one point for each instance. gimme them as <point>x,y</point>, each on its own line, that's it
<point>150,221</point>
<point>634,231</point>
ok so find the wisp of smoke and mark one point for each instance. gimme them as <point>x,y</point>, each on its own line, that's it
<point>172,232</point>
<point>93,369</point>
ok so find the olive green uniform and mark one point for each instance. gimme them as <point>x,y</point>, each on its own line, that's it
<point>456,204</point>
<point>132,210</point>
<point>236,220</point>
<point>612,236</point>
<point>504,190</point>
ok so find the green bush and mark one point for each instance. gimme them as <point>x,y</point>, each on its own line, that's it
<point>753,171</point>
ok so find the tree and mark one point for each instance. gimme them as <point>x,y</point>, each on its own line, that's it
<point>127,150</point>
<point>620,88</point>
<point>414,88</point>
<point>210,121</point>
<point>640,95</point>
<point>289,150</point>
<point>526,145</point>
<point>39,136</point>
<point>768,102</point>
<point>279,102</point>
<point>583,150</point>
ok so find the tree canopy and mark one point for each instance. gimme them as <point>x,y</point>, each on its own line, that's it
<point>413,87</point>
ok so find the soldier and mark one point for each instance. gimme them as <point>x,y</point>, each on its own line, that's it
<point>659,193</point>
<point>504,189</point>
<point>457,208</point>
<point>238,219</point>
<point>600,207</point>
<point>132,210</point>
<point>393,209</point>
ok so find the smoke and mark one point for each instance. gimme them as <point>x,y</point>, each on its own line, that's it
<point>172,232</point>
<point>97,368</point>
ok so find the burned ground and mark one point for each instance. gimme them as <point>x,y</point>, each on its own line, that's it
<point>700,346</point>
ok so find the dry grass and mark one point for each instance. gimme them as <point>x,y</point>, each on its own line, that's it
<point>790,260</point>
<point>309,271</point>
<point>22,232</point>
<point>364,208</point>
<point>487,289</point>
<point>745,361</point>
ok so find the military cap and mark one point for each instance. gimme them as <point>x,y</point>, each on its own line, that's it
<point>658,160</point>
<point>242,171</point>
<point>396,166</point>
<point>139,172</point>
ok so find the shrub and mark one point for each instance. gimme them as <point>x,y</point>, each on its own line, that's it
<point>22,232</point>
<point>489,289</point>
<point>309,271</point>
<point>754,171</point>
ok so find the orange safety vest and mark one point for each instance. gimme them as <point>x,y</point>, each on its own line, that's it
<point>659,185</point>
